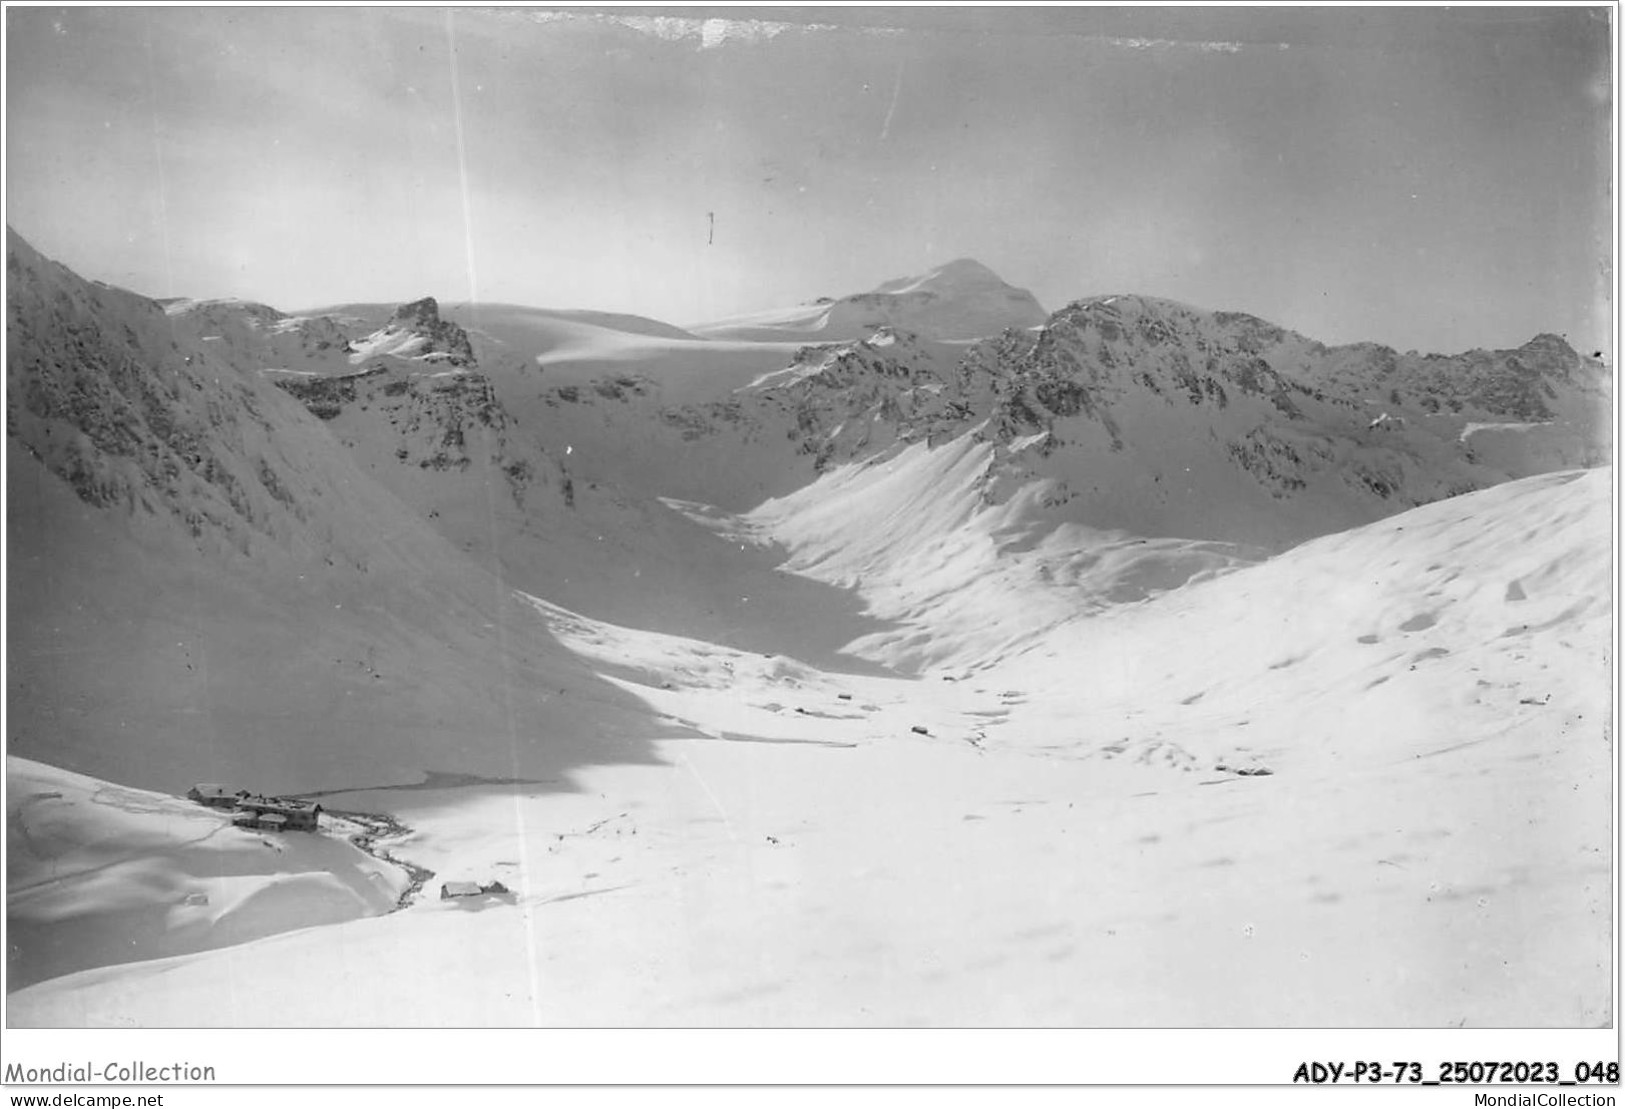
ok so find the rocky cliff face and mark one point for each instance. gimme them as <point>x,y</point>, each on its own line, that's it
<point>106,393</point>
<point>418,429</point>
<point>408,399</point>
<point>419,330</point>
<point>1167,420</point>
<point>416,332</point>
<point>846,401</point>
<point>1097,351</point>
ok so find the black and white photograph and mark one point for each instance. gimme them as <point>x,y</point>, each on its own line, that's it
<point>599,517</point>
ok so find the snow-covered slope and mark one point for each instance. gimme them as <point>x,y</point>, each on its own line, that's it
<point>960,300</point>
<point>1123,417</point>
<point>1469,620</point>
<point>494,319</point>
<point>975,497</point>
<point>1365,784</point>
<point>312,343</point>
<point>962,573</point>
<point>499,317</point>
<point>205,584</point>
<point>518,487</point>
<point>597,609</point>
<point>100,874</point>
<point>1166,420</point>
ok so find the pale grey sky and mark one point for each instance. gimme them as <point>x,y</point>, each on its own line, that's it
<point>1429,178</point>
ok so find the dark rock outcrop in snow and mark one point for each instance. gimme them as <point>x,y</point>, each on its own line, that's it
<point>422,317</point>
<point>1120,393</point>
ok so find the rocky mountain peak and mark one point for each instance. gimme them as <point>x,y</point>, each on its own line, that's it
<point>1548,343</point>
<point>416,330</point>
<point>418,313</point>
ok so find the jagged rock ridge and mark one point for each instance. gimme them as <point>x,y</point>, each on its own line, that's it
<point>1121,399</point>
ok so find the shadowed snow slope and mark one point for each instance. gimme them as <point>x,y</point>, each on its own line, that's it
<point>1255,801</point>
<point>203,583</point>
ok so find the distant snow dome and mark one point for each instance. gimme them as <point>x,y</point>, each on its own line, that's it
<point>962,274</point>
<point>956,301</point>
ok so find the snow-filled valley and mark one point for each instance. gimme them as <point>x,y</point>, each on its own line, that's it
<point>915,657</point>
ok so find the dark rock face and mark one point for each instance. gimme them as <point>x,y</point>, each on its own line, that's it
<point>323,397</point>
<point>102,394</point>
<point>1086,351</point>
<point>1359,431</point>
<point>418,313</point>
<point>444,337</point>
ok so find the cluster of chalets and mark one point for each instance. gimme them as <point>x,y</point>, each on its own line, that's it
<point>254,810</point>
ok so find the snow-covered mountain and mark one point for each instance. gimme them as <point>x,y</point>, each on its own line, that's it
<point>1006,484</point>
<point>960,300</point>
<point>621,609</point>
<point>206,584</point>
<point>1039,458</point>
<point>1128,413</point>
<point>1166,420</point>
